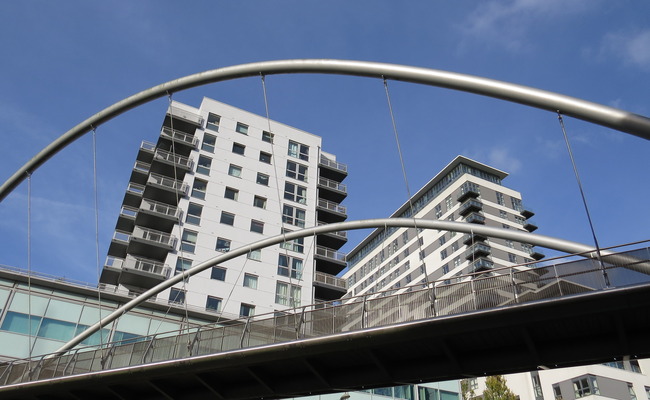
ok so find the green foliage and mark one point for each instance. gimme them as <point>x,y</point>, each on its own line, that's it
<point>497,389</point>
<point>466,391</point>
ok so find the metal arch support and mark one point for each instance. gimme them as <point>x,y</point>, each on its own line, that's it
<point>592,112</point>
<point>464,227</point>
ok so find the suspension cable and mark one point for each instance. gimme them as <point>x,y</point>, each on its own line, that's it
<point>582,195</point>
<point>96,206</point>
<point>29,260</point>
<point>406,182</point>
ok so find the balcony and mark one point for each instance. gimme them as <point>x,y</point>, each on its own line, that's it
<point>480,265</point>
<point>329,260</point>
<point>478,250</point>
<point>157,215</point>
<point>179,137</point>
<point>469,239</point>
<point>329,211</point>
<point>332,169</point>
<point>530,226</point>
<point>526,212</point>
<point>468,190</point>
<point>475,218</point>
<point>119,243</point>
<point>185,115</point>
<point>126,219</point>
<point>332,190</point>
<point>328,287</point>
<point>153,237</point>
<point>165,188</point>
<point>333,240</point>
<point>536,255</point>
<point>175,160</point>
<point>469,206</point>
<point>139,272</point>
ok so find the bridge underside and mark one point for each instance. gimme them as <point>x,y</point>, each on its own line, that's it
<point>582,329</point>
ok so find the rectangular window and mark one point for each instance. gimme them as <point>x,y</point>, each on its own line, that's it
<point>454,247</point>
<point>234,170</point>
<point>218,274</point>
<point>183,264</point>
<point>286,263</point>
<point>512,258</point>
<point>287,295</point>
<point>259,201</point>
<point>177,296</point>
<point>516,204</point>
<point>209,142</point>
<point>262,179</point>
<point>223,245</point>
<point>227,218</point>
<point>297,245</point>
<point>443,254</point>
<point>246,310</point>
<point>456,261</point>
<point>203,166</point>
<point>194,214</point>
<point>188,241</point>
<point>213,122</point>
<point>250,281</point>
<point>293,216</point>
<point>448,203</point>
<point>585,386</point>
<point>255,255</point>
<point>445,269</point>
<point>257,226</point>
<point>297,171</point>
<point>438,210</point>
<point>442,240</point>
<point>242,128</point>
<point>265,157</point>
<point>503,214</point>
<point>267,137</point>
<point>238,148</point>
<point>213,304</point>
<point>199,188</point>
<point>231,193</point>
<point>295,193</point>
<point>510,243</point>
<point>405,237</point>
<point>500,200</point>
<point>298,150</point>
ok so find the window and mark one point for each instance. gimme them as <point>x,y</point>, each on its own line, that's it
<point>454,247</point>
<point>183,264</point>
<point>267,137</point>
<point>516,204</point>
<point>255,255</point>
<point>293,216</point>
<point>218,274</point>
<point>199,188</point>
<point>238,148</point>
<point>234,170</point>
<point>188,241</point>
<point>242,128</point>
<point>510,243</point>
<point>443,254</point>
<point>177,296</point>
<point>457,262</point>
<point>298,150</point>
<point>213,304</point>
<point>287,295</point>
<point>246,310</point>
<point>438,210</point>
<point>262,179</point>
<point>285,263</point>
<point>265,157</point>
<point>203,166</point>
<point>630,389</point>
<point>259,201</point>
<point>295,193</point>
<point>296,171</point>
<point>512,258</point>
<point>537,385</point>
<point>500,200</point>
<point>422,254</point>
<point>405,237</point>
<point>557,392</point>
<point>227,218</point>
<point>209,142</point>
<point>585,386</point>
<point>213,122</point>
<point>448,203</point>
<point>231,193</point>
<point>257,226</point>
<point>194,214</point>
<point>297,245</point>
<point>647,392</point>
<point>250,281</point>
<point>503,214</point>
<point>442,240</point>
<point>445,269</point>
<point>223,245</point>
<point>520,220</point>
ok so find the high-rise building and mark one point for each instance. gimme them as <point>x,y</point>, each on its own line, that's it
<point>219,178</point>
<point>465,190</point>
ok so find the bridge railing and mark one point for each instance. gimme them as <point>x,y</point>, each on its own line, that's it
<point>468,293</point>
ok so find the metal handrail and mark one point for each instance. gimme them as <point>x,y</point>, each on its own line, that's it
<point>330,253</point>
<point>332,184</point>
<point>333,206</point>
<point>179,136</point>
<point>333,164</point>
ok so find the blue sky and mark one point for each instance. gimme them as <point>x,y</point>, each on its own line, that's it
<point>64,61</point>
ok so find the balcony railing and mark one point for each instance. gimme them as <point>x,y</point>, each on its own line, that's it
<point>468,239</point>
<point>478,250</point>
<point>469,206</point>
<point>330,280</point>
<point>121,236</point>
<point>475,218</point>
<point>179,136</point>
<point>128,212</point>
<point>331,254</point>
<point>342,234</point>
<point>168,183</point>
<point>158,237</point>
<point>146,265</point>
<point>178,112</point>
<point>161,208</point>
<point>328,183</point>
<point>114,262</point>
<point>332,206</point>
<point>467,190</point>
<point>141,166</point>
<point>175,159</point>
<point>333,164</point>
<point>482,264</point>
<point>135,189</point>
<point>148,146</point>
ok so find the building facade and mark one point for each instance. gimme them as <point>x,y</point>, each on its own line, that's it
<point>219,178</point>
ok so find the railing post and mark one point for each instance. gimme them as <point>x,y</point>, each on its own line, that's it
<point>243,334</point>
<point>363,313</point>
<point>557,280</point>
<point>473,294</point>
<point>103,361</point>
<point>432,298</point>
<point>515,292</point>
<point>300,322</point>
<point>149,347</point>
<point>7,372</point>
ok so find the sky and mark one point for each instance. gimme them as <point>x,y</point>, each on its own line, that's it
<point>64,61</point>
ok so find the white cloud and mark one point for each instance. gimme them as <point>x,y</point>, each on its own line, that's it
<point>633,48</point>
<point>502,159</point>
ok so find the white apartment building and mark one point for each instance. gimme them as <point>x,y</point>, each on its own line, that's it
<point>465,190</point>
<point>219,178</point>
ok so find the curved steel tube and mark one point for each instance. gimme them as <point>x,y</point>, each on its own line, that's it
<point>465,227</point>
<point>592,112</point>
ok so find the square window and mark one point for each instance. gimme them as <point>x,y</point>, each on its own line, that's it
<point>250,281</point>
<point>213,122</point>
<point>223,245</point>
<point>242,128</point>
<point>298,150</point>
<point>296,171</point>
<point>238,148</point>
<point>285,263</point>
<point>246,310</point>
<point>227,218</point>
<point>297,245</point>
<point>262,179</point>
<point>257,226</point>
<point>259,202</point>
<point>218,274</point>
<point>183,264</point>
<point>177,296</point>
<point>213,304</point>
<point>231,193</point>
<point>234,170</point>
<point>287,295</point>
<point>194,214</point>
<point>203,166</point>
<point>209,142</point>
<point>295,193</point>
<point>267,137</point>
<point>188,240</point>
<point>265,157</point>
<point>199,187</point>
<point>293,216</point>
<point>255,255</point>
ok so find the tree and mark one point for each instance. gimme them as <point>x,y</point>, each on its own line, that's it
<point>497,389</point>
<point>466,389</point>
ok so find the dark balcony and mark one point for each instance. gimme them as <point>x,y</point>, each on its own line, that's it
<point>536,255</point>
<point>331,190</point>
<point>182,120</point>
<point>126,219</point>
<point>530,226</point>
<point>133,195</point>
<point>138,272</point>
<point>328,287</point>
<point>165,189</point>
<point>475,218</point>
<point>332,240</point>
<point>331,169</point>
<point>329,260</point>
<point>470,205</point>
<point>119,244</point>
<point>468,190</point>
<point>478,250</point>
<point>526,212</point>
<point>151,243</point>
<point>481,265</point>
<point>164,162</point>
<point>186,140</point>
<point>329,211</point>
<point>469,239</point>
<point>157,215</point>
